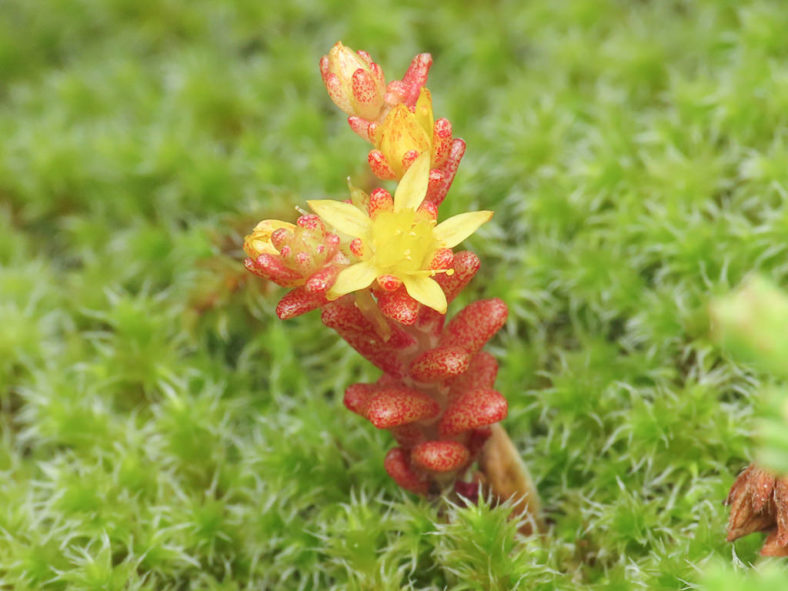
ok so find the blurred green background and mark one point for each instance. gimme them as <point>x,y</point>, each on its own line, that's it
<point>161,429</point>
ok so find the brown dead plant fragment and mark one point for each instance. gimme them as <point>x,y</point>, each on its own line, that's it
<point>507,477</point>
<point>759,502</point>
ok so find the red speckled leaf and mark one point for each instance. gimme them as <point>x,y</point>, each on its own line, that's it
<point>357,397</point>
<point>344,317</point>
<point>465,265</point>
<point>440,364</point>
<point>477,408</point>
<point>398,406</point>
<point>399,306</point>
<point>440,456</point>
<point>299,301</point>
<point>475,324</point>
<point>271,267</point>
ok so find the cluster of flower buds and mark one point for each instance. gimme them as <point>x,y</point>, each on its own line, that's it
<point>759,502</point>
<point>396,118</point>
<point>383,270</point>
<point>303,256</point>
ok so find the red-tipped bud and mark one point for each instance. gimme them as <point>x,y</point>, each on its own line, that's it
<point>357,397</point>
<point>356,246</point>
<point>380,166</point>
<point>395,407</point>
<point>380,200</point>
<point>475,324</point>
<point>311,221</point>
<point>429,209</point>
<point>260,241</point>
<point>399,306</point>
<point>304,261</point>
<point>440,364</point>
<point>299,301</point>
<point>281,237</point>
<point>389,282</point>
<point>397,464</point>
<point>440,456</point>
<point>353,81</point>
<point>443,259</point>
<point>471,410</point>
<point>332,246</point>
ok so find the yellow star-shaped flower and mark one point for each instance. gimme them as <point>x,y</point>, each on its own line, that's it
<point>402,241</point>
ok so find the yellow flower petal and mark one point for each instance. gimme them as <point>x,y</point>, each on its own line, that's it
<point>425,290</point>
<point>424,111</point>
<point>451,232</point>
<point>413,186</point>
<point>344,217</point>
<point>351,279</point>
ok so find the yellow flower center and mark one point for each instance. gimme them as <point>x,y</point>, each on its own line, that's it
<point>401,243</point>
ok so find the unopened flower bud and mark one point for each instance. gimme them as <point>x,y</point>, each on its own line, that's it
<point>259,241</point>
<point>354,82</point>
<point>403,136</point>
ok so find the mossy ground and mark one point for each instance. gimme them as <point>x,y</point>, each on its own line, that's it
<point>161,429</point>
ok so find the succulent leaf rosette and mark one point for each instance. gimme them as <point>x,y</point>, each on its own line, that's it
<point>382,269</point>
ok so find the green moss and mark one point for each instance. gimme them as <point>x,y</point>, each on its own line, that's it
<point>160,429</point>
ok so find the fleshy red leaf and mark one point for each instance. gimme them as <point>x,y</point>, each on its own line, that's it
<point>299,301</point>
<point>440,456</point>
<point>271,267</point>
<point>357,397</point>
<point>393,407</point>
<point>344,317</point>
<point>471,410</point>
<point>440,364</point>
<point>399,306</point>
<point>475,324</point>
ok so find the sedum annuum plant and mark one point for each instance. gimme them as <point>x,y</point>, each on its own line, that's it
<point>382,269</point>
